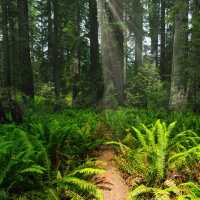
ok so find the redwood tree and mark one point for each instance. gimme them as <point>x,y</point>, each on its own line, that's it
<point>26,70</point>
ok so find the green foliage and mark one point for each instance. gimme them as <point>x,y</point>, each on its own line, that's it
<point>44,158</point>
<point>21,155</point>
<point>124,118</point>
<point>146,89</point>
<point>116,120</point>
<point>47,142</point>
<point>180,192</point>
<point>152,153</point>
<point>75,185</point>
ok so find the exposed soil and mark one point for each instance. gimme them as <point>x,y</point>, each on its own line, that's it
<point>111,182</point>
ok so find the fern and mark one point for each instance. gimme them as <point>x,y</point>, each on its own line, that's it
<point>71,182</point>
<point>156,151</point>
<point>141,137</point>
<point>84,186</point>
<point>87,172</point>
<point>182,156</point>
<point>75,196</point>
<point>19,157</point>
<point>182,191</point>
<point>34,169</point>
<point>52,194</point>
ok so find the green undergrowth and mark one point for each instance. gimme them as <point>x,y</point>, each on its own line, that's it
<point>160,158</point>
<point>124,118</point>
<point>49,155</point>
<point>38,158</point>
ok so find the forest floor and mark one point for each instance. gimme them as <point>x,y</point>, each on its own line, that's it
<point>111,182</point>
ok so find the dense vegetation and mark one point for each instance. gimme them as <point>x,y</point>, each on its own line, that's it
<point>80,75</point>
<point>49,155</point>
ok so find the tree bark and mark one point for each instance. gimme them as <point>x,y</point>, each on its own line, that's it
<point>27,85</point>
<point>138,30</point>
<point>50,39</point>
<point>56,66</point>
<point>58,49</point>
<point>6,47</point>
<point>112,52</point>
<point>154,14</point>
<point>179,89</point>
<point>163,71</point>
<point>76,68</point>
<point>14,57</point>
<point>95,68</point>
<point>194,57</point>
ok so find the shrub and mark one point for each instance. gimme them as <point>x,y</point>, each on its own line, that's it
<point>146,89</point>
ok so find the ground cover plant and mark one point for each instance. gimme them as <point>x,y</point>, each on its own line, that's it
<point>41,155</point>
<point>160,162</point>
<point>48,156</point>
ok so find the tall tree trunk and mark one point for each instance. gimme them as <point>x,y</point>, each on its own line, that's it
<point>27,85</point>
<point>138,33</point>
<point>50,38</point>
<point>163,71</point>
<point>6,49</point>
<point>154,13</point>
<point>14,57</point>
<point>76,68</point>
<point>117,24</point>
<point>58,49</point>
<point>194,57</point>
<point>126,37</point>
<point>95,68</point>
<point>169,37</point>
<point>56,66</point>
<point>112,51</point>
<point>178,96</point>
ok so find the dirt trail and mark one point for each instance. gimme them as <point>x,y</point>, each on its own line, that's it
<point>111,182</point>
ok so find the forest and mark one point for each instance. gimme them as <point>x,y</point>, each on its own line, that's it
<point>99,99</point>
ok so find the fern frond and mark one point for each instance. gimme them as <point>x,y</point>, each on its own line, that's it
<point>84,186</point>
<point>87,171</point>
<point>22,198</point>
<point>161,194</point>
<point>123,147</point>
<point>185,154</point>
<point>4,146</point>
<point>150,135</point>
<point>74,196</point>
<point>34,169</point>
<point>3,194</point>
<point>140,136</point>
<point>184,137</point>
<point>52,194</point>
<point>24,139</point>
<point>139,191</point>
<point>171,127</point>
<point>186,197</point>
